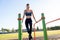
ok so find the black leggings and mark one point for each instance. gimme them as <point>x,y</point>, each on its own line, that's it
<point>28,23</point>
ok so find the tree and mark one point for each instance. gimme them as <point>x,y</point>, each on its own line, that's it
<point>37,28</point>
<point>2,29</point>
<point>13,30</point>
<point>48,28</point>
<point>7,30</point>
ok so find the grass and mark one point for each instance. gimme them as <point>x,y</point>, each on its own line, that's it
<point>25,34</point>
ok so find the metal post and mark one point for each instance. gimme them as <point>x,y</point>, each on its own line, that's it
<point>44,27</point>
<point>19,27</point>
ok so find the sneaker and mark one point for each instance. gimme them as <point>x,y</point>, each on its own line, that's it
<point>30,37</point>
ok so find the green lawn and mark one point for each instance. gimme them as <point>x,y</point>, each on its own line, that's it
<point>25,34</point>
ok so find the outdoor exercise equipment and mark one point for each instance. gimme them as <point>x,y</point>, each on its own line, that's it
<point>44,27</point>
<point>19,27</point>
<point>43,24</point>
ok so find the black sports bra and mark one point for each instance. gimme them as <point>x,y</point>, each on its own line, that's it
<point>28,13</point>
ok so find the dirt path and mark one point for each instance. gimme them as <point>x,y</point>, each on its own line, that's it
<point>53,37</point>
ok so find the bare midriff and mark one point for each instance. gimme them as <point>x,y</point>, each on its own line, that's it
<point>28,16</point>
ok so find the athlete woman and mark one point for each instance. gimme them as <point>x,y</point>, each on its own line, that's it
<point>28,22</point>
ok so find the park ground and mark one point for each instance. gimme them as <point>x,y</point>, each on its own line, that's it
<point>25,34</point>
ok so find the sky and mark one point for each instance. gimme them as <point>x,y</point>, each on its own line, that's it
<point>9,10</point>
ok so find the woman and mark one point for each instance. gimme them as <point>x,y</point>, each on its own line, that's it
<point>28,22</point>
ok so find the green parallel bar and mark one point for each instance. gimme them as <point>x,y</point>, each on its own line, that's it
<point>19,28</point>
<point>44,27</point>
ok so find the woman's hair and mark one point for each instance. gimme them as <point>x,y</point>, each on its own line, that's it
<point>27,4</point>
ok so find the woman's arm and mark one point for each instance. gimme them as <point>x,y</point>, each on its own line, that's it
<point>33,16</point>
<point>23,15</point>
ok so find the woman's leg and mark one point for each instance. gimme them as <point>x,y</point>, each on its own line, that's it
<point>27,27</point>
<point>30,28</point>
<point>30,23</point>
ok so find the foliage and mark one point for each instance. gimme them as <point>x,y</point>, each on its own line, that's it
<point>37,28</point>
<point>54,28</point>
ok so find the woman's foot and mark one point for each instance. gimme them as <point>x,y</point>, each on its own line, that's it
<point>30,37</point>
